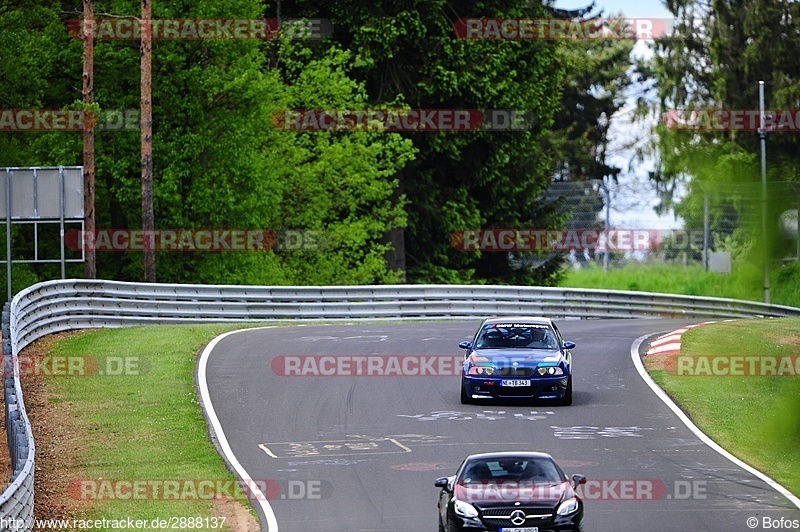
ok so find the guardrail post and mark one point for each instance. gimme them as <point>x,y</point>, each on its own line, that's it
<point>706,224</point>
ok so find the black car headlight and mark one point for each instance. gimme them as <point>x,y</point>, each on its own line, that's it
<point>464,509</point>
<point>550,371</point>
<point>570,506</point>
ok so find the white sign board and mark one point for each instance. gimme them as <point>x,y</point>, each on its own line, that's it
<point>719,261</point>
<point>36,193</point>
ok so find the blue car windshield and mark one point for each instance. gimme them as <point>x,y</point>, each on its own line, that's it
<point>516,336</point>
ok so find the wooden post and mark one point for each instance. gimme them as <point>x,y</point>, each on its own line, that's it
<point>147,143</point>
<point>89,266</point>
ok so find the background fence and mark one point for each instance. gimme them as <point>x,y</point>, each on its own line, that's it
<point>711,217</point>
<point>63,305</point>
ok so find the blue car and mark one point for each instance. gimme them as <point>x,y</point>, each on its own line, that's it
<point>517,358</point>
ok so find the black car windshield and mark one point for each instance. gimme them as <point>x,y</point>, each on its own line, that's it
<point>516,336</point>
<point>537,470</point>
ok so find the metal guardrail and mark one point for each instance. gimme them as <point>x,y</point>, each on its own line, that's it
<point>16,501</point>
<point>55,306</point>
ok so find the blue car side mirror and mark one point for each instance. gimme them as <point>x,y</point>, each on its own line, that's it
<point>465,345</point>
<point>569,345</point>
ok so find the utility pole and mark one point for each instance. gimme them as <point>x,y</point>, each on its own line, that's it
<point>89,266</point>
<point>607,224</point>
<point>147,143</point>
<point>762,132</point>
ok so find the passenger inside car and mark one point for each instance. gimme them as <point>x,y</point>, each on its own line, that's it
<point>478,472</point>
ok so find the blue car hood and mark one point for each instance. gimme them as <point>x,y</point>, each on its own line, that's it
<point>525,357</point>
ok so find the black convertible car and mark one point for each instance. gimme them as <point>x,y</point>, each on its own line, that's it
<point>510,492</point>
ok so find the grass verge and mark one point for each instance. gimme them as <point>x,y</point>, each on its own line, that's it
<point>143,422</point>
<point>756,418</point>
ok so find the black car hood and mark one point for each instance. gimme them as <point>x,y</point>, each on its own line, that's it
<point>502,494</point>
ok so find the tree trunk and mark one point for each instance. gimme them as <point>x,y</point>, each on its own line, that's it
<point>89,266</point>
<point>147,144</point>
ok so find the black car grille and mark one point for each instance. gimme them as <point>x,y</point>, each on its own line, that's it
<point>513,371</point>
<point>501,517</point>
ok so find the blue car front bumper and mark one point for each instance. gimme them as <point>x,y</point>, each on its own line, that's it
<point>483,387</point>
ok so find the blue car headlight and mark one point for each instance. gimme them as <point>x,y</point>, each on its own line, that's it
<point>549,371</point>
<point>481,370</point>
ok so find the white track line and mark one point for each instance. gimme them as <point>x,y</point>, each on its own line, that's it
<point>202,383</point>
<point>637,361</point>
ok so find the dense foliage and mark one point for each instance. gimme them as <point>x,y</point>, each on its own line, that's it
<point>383,204</point>
<point>715,59</point>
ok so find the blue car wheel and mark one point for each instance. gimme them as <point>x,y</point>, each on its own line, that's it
<point>465,399</point>
<point>567,400</point>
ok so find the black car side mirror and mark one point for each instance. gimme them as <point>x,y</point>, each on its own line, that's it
<point>569,345</point>
<point>577,480</point>
<point>442,482</point>
<point>465,345</point>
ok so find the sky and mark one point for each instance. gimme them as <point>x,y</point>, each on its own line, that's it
<point>630,8</point>
<point>632,206</point>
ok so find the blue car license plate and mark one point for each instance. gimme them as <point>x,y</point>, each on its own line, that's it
<point>516,382</point>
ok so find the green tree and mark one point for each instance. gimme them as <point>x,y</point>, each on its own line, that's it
<point>715,58</point>
<point>593,92</point>
<point>219,161</point>
<point>458,181</point>
<point>408,50</point>
<point>33,50</point>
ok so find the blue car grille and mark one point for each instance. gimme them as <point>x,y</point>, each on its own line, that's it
<point>514,371</point>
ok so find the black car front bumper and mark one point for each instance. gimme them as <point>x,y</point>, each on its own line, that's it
<point>545,521</point>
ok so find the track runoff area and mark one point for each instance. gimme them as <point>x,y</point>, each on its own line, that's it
<point>345,427</point>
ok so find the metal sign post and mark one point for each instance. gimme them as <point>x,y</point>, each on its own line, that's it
<point>8,230</point>
<point>762,132</point>
<point>39,196</point>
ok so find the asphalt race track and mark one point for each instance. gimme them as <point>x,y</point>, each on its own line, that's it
<point>360,453</point>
